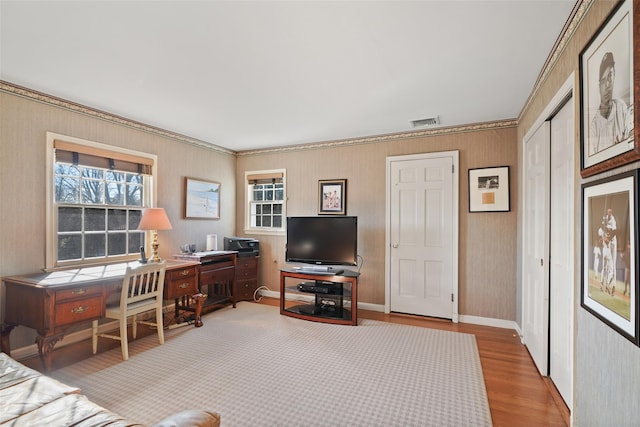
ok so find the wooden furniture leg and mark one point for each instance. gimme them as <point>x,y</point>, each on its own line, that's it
<point>199,298</point>
<point>45,348</point>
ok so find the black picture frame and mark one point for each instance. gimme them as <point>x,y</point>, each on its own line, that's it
<point>609,288</point>
<point>489,189</point>
<point>609,63</point>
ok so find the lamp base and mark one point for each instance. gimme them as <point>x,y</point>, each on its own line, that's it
<point>154,255</point>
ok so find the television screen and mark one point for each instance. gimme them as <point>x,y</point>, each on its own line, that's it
<point>322,240</point>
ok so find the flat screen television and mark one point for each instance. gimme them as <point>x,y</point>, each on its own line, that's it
<point>322,240</point>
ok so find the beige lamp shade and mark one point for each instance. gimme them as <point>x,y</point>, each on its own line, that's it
<point>154,219</point>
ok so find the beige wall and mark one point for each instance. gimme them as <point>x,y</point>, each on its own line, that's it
<point>487,240</point>
<point>23,126</point>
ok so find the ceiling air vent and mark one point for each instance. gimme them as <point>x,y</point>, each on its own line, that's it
<point>430,121</point>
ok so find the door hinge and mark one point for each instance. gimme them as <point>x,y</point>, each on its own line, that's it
<point>452,298</point>
<point>453,168</point>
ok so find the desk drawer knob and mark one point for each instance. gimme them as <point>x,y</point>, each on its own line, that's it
<point>184,285</point>
<point>79,310</point>
<point>80,291</point>
<point>184,272</point>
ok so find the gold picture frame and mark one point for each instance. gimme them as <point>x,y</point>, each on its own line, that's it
<point>332,197</point>
<point>201,199</point>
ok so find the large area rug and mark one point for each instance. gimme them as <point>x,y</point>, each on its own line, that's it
<point>258,368</point>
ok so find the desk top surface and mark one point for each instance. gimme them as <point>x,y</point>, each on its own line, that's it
<point>88,274</point>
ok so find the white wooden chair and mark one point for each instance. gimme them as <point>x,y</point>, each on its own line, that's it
<point>141,291</point>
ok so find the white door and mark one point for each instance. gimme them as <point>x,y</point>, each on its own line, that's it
<point>422,234</point>
<point>561,262</point>
<point>535,309</point>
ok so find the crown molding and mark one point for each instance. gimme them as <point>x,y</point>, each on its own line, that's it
<point>44,98</point>
<point>501,124</point>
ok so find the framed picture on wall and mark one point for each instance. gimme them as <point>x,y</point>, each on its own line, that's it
<point>201,199</point>
<point>489,189</point>
<point>607,70</point>
<point>609,260</point>
<point>332,197</point>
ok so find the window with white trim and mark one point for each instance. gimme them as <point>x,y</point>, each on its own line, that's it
<point>266,201</point>
<point>97,194</point>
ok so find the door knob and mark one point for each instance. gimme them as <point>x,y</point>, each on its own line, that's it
<point>395,245</point>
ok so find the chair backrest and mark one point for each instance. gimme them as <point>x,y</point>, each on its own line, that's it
<point>143,282</point>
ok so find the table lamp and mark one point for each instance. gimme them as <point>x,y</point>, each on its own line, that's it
<point>154,219</point>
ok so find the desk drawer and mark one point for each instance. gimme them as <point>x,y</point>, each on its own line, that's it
<point>179,287</point>
<point>78,310</point>
<point>181,273</point>
<point>211,266</point>
<point>247,268</point>
<point>79,292</point>
<point>217,275</point>
<point>245,290</point>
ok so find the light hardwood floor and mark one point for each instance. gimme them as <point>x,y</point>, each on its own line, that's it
<point>518,395</point>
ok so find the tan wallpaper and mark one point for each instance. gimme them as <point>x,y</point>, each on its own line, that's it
<point>23,126</point>
<point>487,240</point>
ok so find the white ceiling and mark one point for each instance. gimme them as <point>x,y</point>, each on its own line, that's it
<point>249,75</point>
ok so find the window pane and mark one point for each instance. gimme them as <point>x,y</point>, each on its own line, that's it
<point>66,189</point>
<point>258,209</point>
<point>115,194</point>
<point>69,219</point>
<point>257,195</point>
<point>258,221</point>
<point>266,221</point>
<point>92,192</point>
<point>134,219</point>
<point>114,176</point>
<point>69,247</point>
<point>117,219</point>
<point>117,244</point>
<point>279,194</point>
<point>266,209</point>
<point>277,221</point>
<point>94,219</point>
<point>94,245</point>
<point>67,169</point>
<point>136,240</point>
<point>277,209</point>
<point>269,195</point>
<point>135,179</point>
<point>134,195</point>
<point>92,173</point>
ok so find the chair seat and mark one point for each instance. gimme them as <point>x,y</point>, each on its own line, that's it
<point>113,312</point>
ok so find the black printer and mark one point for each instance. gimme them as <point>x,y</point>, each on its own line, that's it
<point>245,246</point>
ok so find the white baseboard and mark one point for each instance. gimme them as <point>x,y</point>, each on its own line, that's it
<point>488,321</point>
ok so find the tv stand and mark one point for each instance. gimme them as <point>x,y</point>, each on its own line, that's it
<point>331,297</point>
<point>323,270</point>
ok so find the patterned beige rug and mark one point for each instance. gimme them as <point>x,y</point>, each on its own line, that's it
<point>258,368</point>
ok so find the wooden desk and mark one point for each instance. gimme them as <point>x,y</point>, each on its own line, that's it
<point>54,302</point>
<point>216,279</point>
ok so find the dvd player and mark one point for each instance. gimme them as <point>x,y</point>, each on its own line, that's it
<point>315,287</point>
